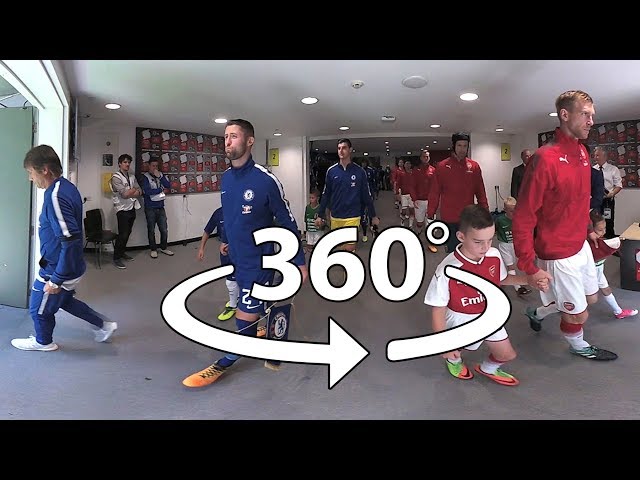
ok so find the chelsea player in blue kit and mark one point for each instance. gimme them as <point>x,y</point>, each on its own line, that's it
<point>251,198</point>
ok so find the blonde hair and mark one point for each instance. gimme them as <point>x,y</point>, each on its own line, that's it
<point>510,201</point>
<point>571,99</point>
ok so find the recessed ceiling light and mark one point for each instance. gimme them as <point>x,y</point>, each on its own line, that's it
<point>112,106</point>
<point>386,142</point>
<point>365,153</point>
<point>553,114</point>
<point>499,129</point>
<point>414,81</point>
<point>344,128</point>
<point>220,120</point>
<point>309,100</point>
<point>468,97</point>
<point>277,133</point>
<point>435,125</point>
<point>435,141</point>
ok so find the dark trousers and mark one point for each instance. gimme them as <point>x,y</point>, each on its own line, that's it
<point>43,308</point>
<point>609,203</point>
<point>125,224</point>
<point>156,216</point>
<point>453,241</point>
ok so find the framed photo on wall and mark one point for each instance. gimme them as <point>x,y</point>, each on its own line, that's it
<point>621,141</point>
<point>191,161</point>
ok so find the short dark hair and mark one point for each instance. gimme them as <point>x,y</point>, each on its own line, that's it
<point>456,137</point>
<point>475,216</point>
<point>344,140</point>
<point>245,125</point>
<point>43,156</point>
<point>315,191</point>
<point>123,157</point>
<point>596,217</point>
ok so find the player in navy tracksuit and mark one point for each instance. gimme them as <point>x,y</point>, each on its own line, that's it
<point>216,224</point>
<point>251,198</point>
<point>346,193</point>
<point>62,264</point>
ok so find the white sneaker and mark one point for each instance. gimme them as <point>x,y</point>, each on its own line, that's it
<point>154,254</point>
<point>103,334</point>
<point>32,344</point>
<point>166,251</point>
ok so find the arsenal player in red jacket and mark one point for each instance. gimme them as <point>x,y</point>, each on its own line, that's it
<point>554,199</point>
<point>457,180</point>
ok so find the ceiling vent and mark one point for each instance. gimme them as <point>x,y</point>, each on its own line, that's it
<point>415,81</point>
<point>388,118</point>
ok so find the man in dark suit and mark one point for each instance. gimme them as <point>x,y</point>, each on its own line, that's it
<point>518,173</point>
<point>597,184</point>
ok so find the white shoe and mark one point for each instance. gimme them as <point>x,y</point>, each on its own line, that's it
<point>154,254</point>
<point>166,252</point>
<point>32,344</point>
<point>103,334</point>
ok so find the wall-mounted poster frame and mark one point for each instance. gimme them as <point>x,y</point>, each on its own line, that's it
<point>192,162</point>
<point>621,140</point>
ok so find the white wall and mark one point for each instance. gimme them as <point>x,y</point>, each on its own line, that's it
<point>292,171</point>
<point>627,210</point>
<point>485,149</point>
<point>186,216</point>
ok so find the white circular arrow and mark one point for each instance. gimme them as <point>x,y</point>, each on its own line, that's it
<point>494,317</point>
<point>343,352</point>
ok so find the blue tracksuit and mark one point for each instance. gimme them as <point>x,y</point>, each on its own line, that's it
<point>60,233</point>
<point>62,260</point>
<point>216,224</point>
<point>251,198</point>
<point>346,192</point>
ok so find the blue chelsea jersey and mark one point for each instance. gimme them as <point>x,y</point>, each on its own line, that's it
<point>251,198</point>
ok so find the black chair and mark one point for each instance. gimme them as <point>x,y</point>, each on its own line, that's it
<point>95,233</point>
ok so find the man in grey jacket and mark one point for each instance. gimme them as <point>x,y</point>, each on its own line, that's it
<point>126,191</point>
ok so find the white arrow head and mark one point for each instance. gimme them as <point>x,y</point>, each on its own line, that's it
<point>345,353</point>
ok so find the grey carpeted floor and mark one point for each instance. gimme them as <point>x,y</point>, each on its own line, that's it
<point>138,375</point>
